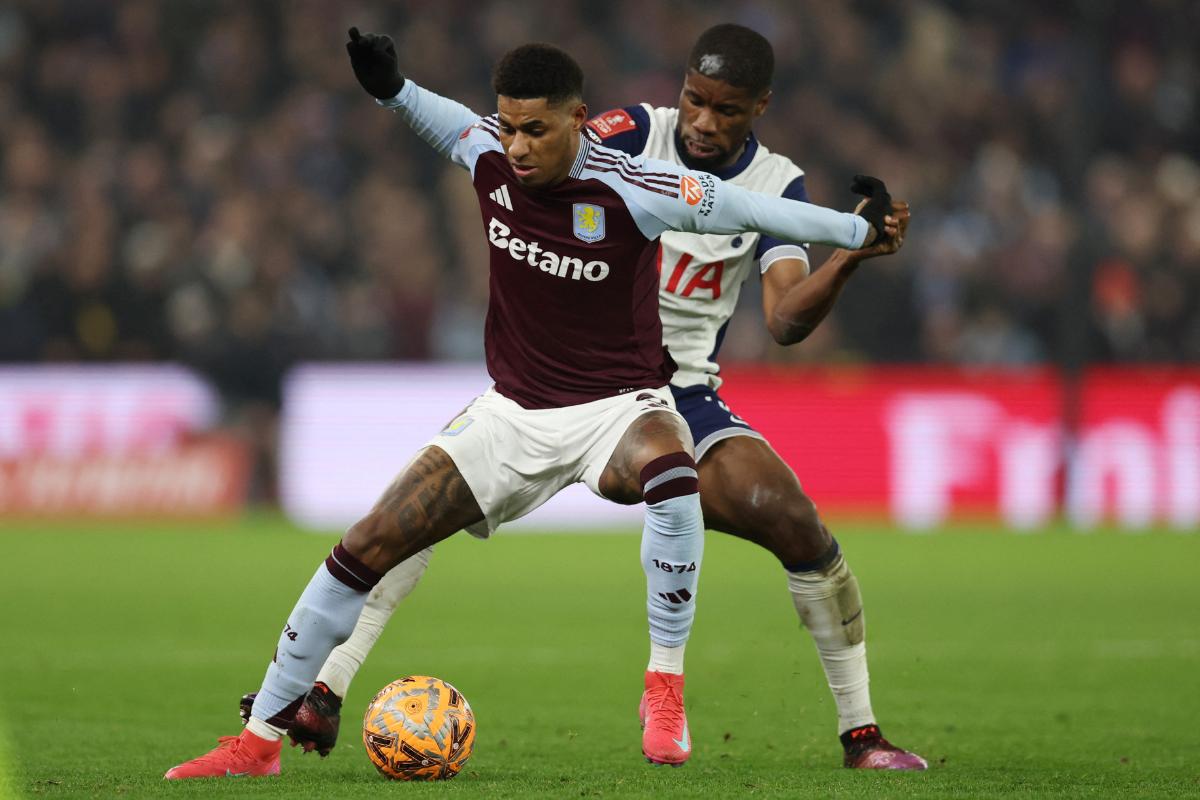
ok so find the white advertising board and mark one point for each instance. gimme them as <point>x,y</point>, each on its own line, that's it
<point>347,430</point>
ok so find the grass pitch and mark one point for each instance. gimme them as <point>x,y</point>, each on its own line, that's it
<point>1047,665</point>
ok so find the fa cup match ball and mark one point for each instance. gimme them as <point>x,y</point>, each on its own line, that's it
<point>419,729</point>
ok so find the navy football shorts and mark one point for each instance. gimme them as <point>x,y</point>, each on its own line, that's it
<point>710,419</point>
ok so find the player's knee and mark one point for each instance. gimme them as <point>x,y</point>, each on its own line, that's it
<point>650,437</point>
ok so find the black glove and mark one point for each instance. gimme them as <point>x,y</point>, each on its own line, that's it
<point>878,206</point>
<point>373,57</point>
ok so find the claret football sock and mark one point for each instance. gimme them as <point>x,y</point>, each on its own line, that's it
<point>829,603</point>
<point>348,657</point>
<point>672,546</point>
<point>323,618</point>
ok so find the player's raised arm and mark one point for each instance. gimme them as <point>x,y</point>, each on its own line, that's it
<point>436,119</point>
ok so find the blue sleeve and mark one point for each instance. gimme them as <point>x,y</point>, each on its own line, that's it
<point>626,129</point>
<point>793,191</point>
<point>700,202</point>
<point>441,122</point>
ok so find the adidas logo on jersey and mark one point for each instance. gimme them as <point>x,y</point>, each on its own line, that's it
<point>501,196</point>
<point>500,236</point>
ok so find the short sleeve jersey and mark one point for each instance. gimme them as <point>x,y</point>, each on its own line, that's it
<point>701,275</point>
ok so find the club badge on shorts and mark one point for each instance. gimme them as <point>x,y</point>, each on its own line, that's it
<point>589,222</point>
<point>457,426</point>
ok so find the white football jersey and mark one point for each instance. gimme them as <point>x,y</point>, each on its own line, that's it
<point>701,275</point>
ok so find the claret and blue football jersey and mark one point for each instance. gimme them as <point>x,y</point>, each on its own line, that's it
<point>574,282</point>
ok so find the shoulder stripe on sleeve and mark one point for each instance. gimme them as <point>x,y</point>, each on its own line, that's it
<point>632,171</point>
<point>656,189</point>
<point>633,176</point>
<point>627,160</point>
<point>484,124</point>
<point>616,156</point>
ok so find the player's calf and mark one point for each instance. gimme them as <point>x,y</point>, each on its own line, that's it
<point>830,606</point>
<point>672,547</point>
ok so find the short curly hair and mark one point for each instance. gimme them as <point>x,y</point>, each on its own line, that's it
<point>734,54</point>
<point>538,70</point>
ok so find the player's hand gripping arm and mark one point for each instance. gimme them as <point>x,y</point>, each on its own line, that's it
<point>794,302</point>
<point>434,118</point>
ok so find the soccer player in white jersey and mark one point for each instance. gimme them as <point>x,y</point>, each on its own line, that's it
<point>745,488</point>
<point>574,345</point>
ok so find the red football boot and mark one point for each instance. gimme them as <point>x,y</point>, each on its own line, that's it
<point>665,737</point>
<point>236,756</point>
<point>867,749</point>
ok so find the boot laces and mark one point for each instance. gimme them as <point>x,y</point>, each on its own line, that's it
<point>224,743</point>
<point>665,705</point>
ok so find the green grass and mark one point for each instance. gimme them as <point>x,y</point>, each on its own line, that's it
<point>1051,665</point>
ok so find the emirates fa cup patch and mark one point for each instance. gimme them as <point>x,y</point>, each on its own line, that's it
<point>610,123</point>
<point>589,222</point>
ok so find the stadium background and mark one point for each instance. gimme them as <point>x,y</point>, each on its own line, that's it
<point>204,184</point>
<point>199,208</point>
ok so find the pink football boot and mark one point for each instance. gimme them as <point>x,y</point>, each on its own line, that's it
<point>665,737</point>
<point>867,749</point>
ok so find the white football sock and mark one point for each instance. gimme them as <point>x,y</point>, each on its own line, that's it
<point>666,659</point>
<point>265,730</point>
<point>348,657</point>
<point>830,606</point>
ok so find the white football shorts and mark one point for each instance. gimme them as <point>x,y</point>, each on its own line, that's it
<point>514,459</point>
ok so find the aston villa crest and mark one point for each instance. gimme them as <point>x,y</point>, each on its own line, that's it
<point>589,222</point>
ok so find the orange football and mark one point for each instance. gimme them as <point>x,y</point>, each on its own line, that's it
<point>419,729</point>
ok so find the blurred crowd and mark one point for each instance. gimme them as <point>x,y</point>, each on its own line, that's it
<point>205,182</point>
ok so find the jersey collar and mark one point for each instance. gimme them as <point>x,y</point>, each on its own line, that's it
<point>581,157</point>
<point>734,169</point>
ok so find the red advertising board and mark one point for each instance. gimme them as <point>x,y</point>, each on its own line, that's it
<point>114,440</point>
<point>194,479</point>
<point>924,444</point>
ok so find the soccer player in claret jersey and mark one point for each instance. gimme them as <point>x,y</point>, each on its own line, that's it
<point>574,345</point>
<point>745,488</point>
